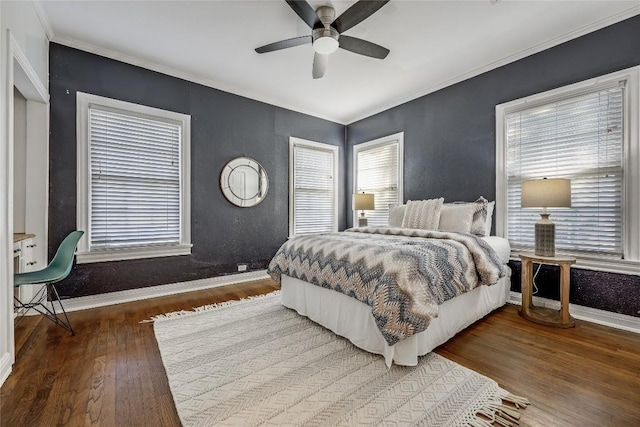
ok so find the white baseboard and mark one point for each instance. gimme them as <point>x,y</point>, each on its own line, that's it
<point>5,367</point>
<point>101,300</point>
<point>594,315</point>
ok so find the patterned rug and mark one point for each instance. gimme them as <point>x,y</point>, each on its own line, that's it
<point>255,362</point>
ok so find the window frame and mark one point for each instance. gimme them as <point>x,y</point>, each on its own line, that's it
<point>631,158</point>
<point>84,254</point>
<point>385,140</point>
<point>334,149</point>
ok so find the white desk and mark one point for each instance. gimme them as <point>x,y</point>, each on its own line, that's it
<point>23,261</point>
<point>23,244</point>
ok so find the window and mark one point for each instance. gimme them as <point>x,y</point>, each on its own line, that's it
<point>313,188</point>
<point>133,180</point>
<point>378,169</point>
<point>587,132</point>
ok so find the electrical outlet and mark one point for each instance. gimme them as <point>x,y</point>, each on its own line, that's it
<point>242,267</point>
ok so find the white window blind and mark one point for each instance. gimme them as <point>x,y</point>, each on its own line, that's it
<point>580,137</point>
<point>134,180</point>
<point>314,193</point>
<point>378,172</point>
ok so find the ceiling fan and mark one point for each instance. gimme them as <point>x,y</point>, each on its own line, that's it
<point>326,35</point>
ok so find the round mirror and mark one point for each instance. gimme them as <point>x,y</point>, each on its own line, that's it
<point>244,182</point>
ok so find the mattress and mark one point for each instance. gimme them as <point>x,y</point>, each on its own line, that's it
<point>353,320</point>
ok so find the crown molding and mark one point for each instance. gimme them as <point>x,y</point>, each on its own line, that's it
<point>629,13</point>
<point>129,59</point>
<point>174,72</point>
<point>42,17</point>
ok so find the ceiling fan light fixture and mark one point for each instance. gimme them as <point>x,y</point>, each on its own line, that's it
<point>325,45</point>
<point>326,29</point>
<point>325,40</point>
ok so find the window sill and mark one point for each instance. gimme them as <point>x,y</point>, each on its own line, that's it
<point>619,266</point>
<point>137,253</point>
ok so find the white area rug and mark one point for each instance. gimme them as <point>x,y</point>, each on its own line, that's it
<point>255,362</point>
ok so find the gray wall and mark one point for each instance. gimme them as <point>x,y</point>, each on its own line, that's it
<point>449,151</point>
<point>449,137</point>
<point>223,126</point>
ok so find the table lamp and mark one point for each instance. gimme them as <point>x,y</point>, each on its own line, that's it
<point>546,193</point>
<point>363,202</point>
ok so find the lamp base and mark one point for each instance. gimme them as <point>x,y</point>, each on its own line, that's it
<point>545,237</point>
<point>362,222</point>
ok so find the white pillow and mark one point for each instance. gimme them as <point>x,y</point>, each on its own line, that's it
<point>396,214</point>
<point>456,217</point>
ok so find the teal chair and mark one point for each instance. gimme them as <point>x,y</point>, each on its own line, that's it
<point>58,269</point>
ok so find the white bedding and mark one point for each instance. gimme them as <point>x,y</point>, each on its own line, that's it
<point>353,320</point>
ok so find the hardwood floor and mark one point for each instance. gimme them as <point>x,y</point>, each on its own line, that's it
<point>110,372</point>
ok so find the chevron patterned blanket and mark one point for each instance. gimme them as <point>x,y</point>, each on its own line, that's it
<point>402,274</point>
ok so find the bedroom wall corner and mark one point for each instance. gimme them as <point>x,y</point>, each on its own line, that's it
<point>450,135</point>
<point>223,126</point>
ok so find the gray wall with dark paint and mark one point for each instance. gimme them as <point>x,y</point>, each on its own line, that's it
<point>449,136</point>
<point>223,126</point>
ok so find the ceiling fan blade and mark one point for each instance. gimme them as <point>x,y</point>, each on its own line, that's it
<point>305,12</point>
<point>283,44</point>
<point>320,62</point>
<point>362,47</point>
<point>357,13</point>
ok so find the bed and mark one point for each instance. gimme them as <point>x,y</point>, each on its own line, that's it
<point>342,282</point>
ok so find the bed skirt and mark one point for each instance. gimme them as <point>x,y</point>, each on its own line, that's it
<point>353,320</point>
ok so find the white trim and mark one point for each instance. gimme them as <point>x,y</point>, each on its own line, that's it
<point>5,367</point>
<point>19,73</point>
<point>6,193</point>
<point>174,72</point>
<point>83,209</point>
<point>101,300</point>
<point>629,13</point>
<point>26,78</point>
<point>135,253</point>
<point>593,315</point>
<point>500,208</point>
<point>108,53</point>
<point>42,17</point>
<point>631,265</point>
<point>6,210</point>
<point>293,141</point>
<point>369,144</point>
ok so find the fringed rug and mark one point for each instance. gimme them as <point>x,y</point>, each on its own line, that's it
<point>255,362</point>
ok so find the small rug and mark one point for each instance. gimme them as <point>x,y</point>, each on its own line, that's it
<point>255,362</point>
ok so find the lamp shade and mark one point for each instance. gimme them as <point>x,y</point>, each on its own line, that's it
<point>546,193</point>
<point>363,202</point>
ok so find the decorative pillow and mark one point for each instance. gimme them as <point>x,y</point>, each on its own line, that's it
<point>396,214</point>
<point>457,217</point>
<point>490,207</point>
<point>422,214</point>
<point>479,222</point>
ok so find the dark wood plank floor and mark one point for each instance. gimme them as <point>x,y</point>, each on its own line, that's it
<point>110,373</point>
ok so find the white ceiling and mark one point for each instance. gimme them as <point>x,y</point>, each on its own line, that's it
<point>433,44</point>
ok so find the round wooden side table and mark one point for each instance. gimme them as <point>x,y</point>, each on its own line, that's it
<point>543,315</point>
